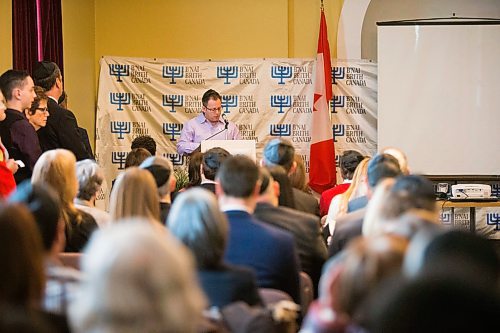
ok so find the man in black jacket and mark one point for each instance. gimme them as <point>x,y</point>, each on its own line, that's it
<point>62,128</point>
<point>304,227</point>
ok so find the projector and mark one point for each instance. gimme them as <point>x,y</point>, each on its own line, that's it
<point>470,191</point>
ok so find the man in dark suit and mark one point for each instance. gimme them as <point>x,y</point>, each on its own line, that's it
<point>281,152</point>
<point>268,250</point>
<point>62,128</point>
<point>349,226</point>
<point>304,227</point>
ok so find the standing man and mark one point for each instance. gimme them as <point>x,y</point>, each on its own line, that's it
<point>18,136</point>
<point>208,125</point>
<point>62,128</point>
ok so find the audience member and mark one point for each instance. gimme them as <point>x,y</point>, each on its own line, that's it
<point>298,178</point>
<point>38,113</point>
<point>400,156</point>
<point>90,178</point>
<point>135,195</point>
<point>349,160</point>
<point>281,152</point>
<point>304,227</point>
<point>146,142</point>
<point>196,220</point>
<point>62,127</point>
<point>57,168</point>
<point>18,136</point>
<point>350,225</point>
<point>22,280</point>
<point>210,164</point>
<point>269,251</point>
<point>62,281</point>
<point>285,197</point>
<point>162,171</point>
<point>347,284</point>
<point>135,157</point>
<point>136,280</point>
<point>194,169</point>
<point>7,165</point>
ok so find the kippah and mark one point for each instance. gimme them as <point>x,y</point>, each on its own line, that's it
<point>272,152</point>
<point>43,70</point>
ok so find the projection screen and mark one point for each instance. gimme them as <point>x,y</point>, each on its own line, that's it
<point>439,94</point>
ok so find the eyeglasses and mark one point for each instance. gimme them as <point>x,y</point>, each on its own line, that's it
<point>214,109</point>
<point>45,109</point>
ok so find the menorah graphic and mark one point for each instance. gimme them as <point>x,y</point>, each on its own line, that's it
<point>229,101</point>
<point>493,219</point>
<point>338,130</point>
<point>337,102</point>
<point>119,71</point>
<point>280,101</point>
<point>119,99</point>
<point>176,159</point>
<point>173,72</point>
<point>173,101</point>
<point>119,157</point>
<point>280,129</point>
<point>445,217</point>
<point>120,128</point>
<point>338,73</point>
<point>495,190</point>
<point>281,73</point>
<point>172,129</point>
<point>227,72</point>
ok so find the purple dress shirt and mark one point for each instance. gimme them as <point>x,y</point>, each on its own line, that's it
<point>199,129</point>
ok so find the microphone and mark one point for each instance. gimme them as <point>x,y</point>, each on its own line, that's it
<point>225,120</point>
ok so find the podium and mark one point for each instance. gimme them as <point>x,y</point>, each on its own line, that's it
<point>235,147</point>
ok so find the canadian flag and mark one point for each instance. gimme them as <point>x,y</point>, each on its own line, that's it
<point>322,172</point>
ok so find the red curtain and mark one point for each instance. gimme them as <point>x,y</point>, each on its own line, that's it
<point>24,34</point>
<point>52,40</point>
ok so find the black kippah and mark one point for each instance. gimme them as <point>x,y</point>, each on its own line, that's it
<point>43,70</point>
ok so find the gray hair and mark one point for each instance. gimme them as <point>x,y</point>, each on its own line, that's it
<point>90,178</point>
<point>195,219</point>
<point>138,279</point>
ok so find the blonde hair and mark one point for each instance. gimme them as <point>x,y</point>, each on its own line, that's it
<point>57,168</point>
<point>375,210</point>
<point>353,190</point>
<point>135,195</point>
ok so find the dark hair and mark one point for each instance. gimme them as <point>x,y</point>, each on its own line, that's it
<point>146,142</point>
<point>212,160</point>
<point>40,96</point>
<point>45,206</point>
<point>210,94</point>
<point>194,169</point>
<point>349,161</point>
<point>286,197</point>
<point>382,166</point>
<point>10,80</point>
<point>22,280</point>
<point>45,74</point>
<point>136,156</point>
<point>279,152</point>
<point>238,176</point>
<point>409,192</point>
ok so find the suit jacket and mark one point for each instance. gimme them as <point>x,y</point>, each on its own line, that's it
<point>62,132</point>
<point>228,284</point>
<point>305,229</point>
<point>305,202</point>
<point>268,250</point>
<point>348,227</point>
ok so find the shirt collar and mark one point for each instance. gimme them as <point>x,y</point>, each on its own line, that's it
<point>201,119</point>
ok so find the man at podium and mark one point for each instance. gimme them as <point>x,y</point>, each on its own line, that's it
<point>211,124</point>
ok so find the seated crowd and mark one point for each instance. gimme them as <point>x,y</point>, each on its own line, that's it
<point>236,245</point>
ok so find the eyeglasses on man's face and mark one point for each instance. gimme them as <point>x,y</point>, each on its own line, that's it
<point>45,109</point>
<point>214,109</point>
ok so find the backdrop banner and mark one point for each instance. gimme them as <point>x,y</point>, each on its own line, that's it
<point>266,98</point>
